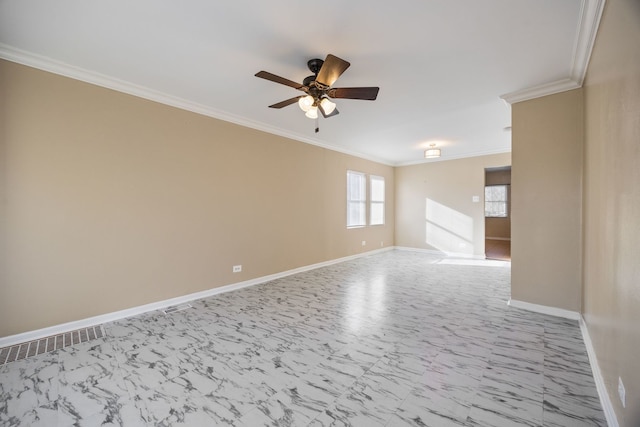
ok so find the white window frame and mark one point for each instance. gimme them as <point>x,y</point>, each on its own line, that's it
<point>357,203</point>
<point>373,202</point>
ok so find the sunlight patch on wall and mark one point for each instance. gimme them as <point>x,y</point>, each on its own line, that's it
<point>448,230</point>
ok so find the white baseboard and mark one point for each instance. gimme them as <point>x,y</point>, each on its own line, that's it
<point>545,309</point>
<point>605,400</point>
<point>439,253</point>
<point>159,305</point>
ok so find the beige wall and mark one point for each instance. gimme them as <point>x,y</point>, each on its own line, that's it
<point>547,136</point>
<point>611,300</point>
<point>499,227</point>
<point>434,207</point>
<point>110,201</point>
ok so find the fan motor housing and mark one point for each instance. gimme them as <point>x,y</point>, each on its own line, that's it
<point>315,65</point>
<point>308,81</point>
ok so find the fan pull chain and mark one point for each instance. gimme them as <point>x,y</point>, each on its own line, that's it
<point>317,126</point>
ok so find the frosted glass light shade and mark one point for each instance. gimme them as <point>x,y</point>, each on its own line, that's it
<point>327,106</point>
<point>312,113</point>
<point>432,152</point>
<point>305,103</point>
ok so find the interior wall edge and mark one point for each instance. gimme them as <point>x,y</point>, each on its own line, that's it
<point>603,393</point>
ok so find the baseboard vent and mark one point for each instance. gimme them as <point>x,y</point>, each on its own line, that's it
<point>175,308</point>
<point>48,344</point>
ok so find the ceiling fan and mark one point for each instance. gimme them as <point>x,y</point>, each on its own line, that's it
<point>318,88</point>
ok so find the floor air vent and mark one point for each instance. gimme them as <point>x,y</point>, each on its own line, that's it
<point>48,344</point>
<point>175,308</point>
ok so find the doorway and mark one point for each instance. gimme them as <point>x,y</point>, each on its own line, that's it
<point>497,213</point>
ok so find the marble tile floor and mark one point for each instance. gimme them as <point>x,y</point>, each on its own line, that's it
<point>393,339</point>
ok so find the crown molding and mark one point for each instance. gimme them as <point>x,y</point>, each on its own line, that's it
<point>60,68</point>
<point>590,14</point>
<point>540,90</point>
<point>455,157</point>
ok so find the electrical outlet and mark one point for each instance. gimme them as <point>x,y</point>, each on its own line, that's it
<point>364,242</point>
<point>381,244</point>
<point>621,392</point>
<point>237,268</point>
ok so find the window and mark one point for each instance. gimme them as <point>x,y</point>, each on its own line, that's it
<point>356,199</point>
<point>376,212</point>
<point>495,201</point>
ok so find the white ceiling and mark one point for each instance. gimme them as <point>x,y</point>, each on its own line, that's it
<point>441,65</point>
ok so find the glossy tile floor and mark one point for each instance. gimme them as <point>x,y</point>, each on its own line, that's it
<point>394,339</point>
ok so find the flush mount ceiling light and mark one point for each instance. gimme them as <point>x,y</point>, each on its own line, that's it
<point>432,152</point>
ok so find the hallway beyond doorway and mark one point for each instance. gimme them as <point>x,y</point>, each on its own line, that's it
<point>497,249</point>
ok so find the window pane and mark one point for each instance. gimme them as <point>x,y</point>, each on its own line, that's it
<point>355,192</point>
<point>498,209</point>
<point>377,189</point>
<point>356,199</point>
<point>495,193</point>
<point>376,208</point>
<point>495,201</point>
<point>356,186</point>
<point>356,214</point>
<point>377,213</point>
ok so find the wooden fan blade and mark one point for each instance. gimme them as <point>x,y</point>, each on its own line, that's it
<point>332,68</point>
<point>335,112</point>
<point>272,77</point>
<point>368,93</point>
<point>286,102</point>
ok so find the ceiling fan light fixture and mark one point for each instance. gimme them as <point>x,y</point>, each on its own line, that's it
<point>318,88</point>
<point>312,113</point>
<point>432,152</point>
<point>327,106</point>
<point>306,102</point>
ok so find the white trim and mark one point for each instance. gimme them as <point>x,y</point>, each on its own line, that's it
<point>540,90</point>
<point>545,309</point>
<point>440,253</point>
<point>57,67</point>
<point>603,394</point>
<point>590,14</point>
<point>498,238</point>
<point>605,400</point>
<point>455,157</point>
<point>160,305</point>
